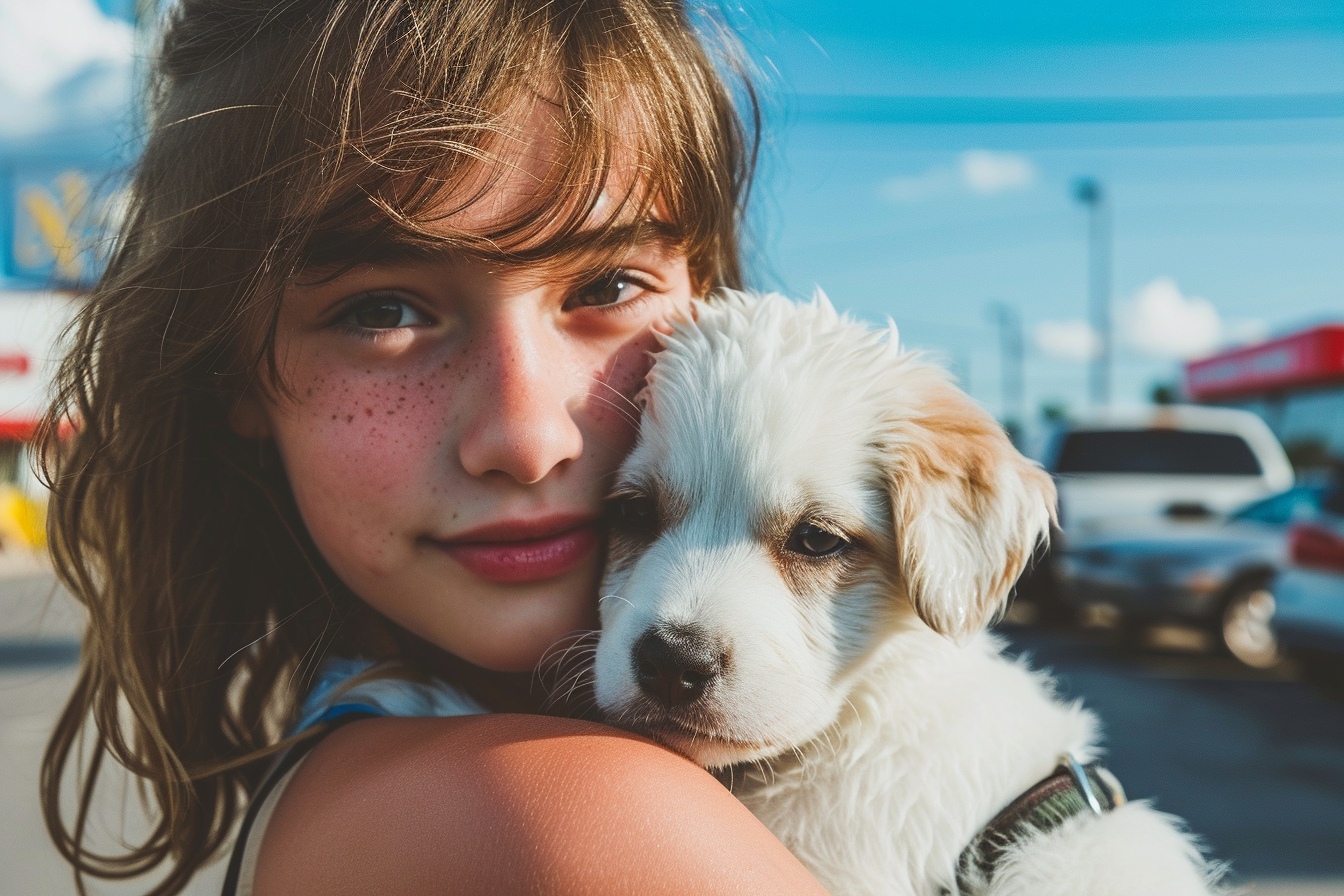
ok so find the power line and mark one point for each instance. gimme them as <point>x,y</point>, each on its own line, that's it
<point>879,109</point>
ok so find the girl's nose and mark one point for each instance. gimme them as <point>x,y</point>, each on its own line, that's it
<point>520,389</point>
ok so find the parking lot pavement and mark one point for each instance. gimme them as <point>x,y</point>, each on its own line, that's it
<point>39,645</point>
<point>1255,762</point>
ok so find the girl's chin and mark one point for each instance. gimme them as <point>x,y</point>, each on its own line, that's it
<point>528,643</point>
<point>495,626</point>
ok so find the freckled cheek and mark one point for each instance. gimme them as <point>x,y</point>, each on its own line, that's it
<point>366,437</point>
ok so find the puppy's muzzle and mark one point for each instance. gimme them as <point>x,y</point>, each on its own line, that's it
<point>675,666</point>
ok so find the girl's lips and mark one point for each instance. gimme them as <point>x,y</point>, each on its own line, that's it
<point>524,559</point>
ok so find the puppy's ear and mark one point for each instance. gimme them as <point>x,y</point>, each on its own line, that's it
<point>968,509</point>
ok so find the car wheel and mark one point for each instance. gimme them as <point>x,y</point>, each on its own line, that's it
<point>1247,631</point>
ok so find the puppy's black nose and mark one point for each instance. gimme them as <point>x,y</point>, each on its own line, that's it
<point>674,666</point>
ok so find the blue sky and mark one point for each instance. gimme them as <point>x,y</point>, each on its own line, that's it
<point>919,162</point>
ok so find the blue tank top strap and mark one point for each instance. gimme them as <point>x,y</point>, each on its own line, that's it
<point>344,691</point>
<point>378,689</point>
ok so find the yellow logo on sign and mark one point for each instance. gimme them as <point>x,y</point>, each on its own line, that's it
<point>60,226</point>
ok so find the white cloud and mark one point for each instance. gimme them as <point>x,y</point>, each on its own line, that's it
<point>60,59</point>
<point>1067,340</point>
<point>980,172</point>
<point>1160,321</point>
<point>918,187</point>
<point>986,172</point>
<point>1164,322</point>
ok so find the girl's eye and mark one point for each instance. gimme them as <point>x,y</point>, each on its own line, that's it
<point>384,311</point>
<point>612,288</point>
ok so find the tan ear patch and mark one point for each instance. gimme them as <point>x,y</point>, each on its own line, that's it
<point>969,511</point>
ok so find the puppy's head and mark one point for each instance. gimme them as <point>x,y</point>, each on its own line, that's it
<point>802,491</point>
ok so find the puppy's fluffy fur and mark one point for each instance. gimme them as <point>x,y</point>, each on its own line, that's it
<point>829,525</point>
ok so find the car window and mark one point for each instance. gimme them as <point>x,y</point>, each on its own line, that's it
<point>1169,451</point>
<point>1292,506</point>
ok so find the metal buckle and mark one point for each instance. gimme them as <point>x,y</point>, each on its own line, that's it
<point>1079,775</point>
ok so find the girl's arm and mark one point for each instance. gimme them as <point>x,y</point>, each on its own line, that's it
<point>504,804</point>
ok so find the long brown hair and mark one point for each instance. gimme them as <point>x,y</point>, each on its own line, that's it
<point>283,134</point>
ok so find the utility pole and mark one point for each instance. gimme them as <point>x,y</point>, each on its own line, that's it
<point>1089,192</point>
<point>1012,361</point>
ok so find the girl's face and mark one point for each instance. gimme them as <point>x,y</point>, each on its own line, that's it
<point>453,428</point>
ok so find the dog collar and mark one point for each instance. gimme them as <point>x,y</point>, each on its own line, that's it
<point>1071,789</point>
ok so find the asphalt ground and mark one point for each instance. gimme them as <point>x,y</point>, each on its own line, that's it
<point>39,645</point>
<point>1254,761</point>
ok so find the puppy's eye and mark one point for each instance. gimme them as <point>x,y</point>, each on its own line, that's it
<point>813,541</point>
<point>632,512</point>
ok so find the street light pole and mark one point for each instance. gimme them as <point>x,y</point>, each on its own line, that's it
<point>1089,192</point>
<point>1012,363</point>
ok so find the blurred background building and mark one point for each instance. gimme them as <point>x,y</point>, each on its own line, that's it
<point>66,137</point>
<point>1295,383</point>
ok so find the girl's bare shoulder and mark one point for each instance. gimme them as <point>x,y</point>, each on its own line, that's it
<point>512,804</point>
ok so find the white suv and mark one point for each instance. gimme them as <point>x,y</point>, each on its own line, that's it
<point>1131,470</point>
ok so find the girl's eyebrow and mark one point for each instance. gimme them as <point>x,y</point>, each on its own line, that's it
<point>610,240</point>
<point>332,254</point>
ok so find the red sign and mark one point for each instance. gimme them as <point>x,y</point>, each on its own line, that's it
<point>15,362</point>
<point>1310,358</point>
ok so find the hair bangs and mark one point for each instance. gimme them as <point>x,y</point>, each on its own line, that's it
<point>631,125</point>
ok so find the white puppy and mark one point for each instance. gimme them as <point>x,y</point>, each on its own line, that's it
<point>809,541</point>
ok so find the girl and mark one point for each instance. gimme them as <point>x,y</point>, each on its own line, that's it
<point>347,401</point>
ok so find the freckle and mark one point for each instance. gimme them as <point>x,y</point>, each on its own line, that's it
<point>309,393</point>
<point>349,418</point>
<point>390,413</point>
<point>368,412</point>
<point>333,416</point>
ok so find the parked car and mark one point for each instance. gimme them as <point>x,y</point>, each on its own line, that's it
<point>1122,471</point>
<point>1309,597</point>
<point>1217,574</point>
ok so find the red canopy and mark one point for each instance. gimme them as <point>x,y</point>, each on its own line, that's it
<point>1310,358</point>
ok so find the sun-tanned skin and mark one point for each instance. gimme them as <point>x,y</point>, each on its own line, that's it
<point>513,804</point>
